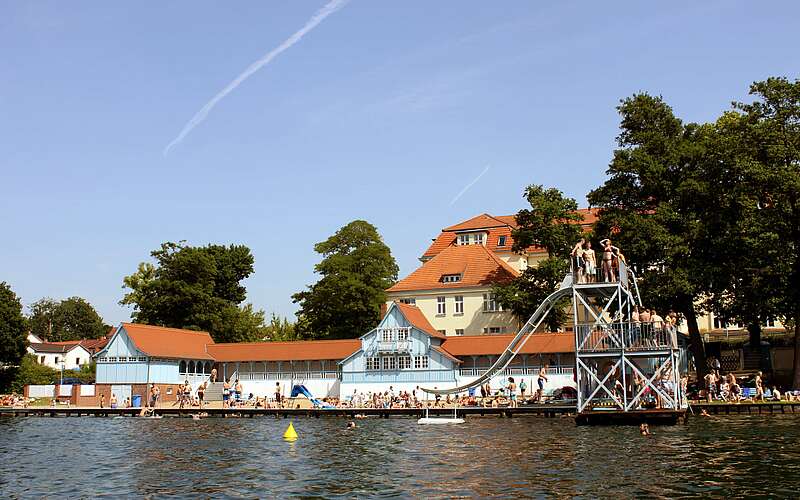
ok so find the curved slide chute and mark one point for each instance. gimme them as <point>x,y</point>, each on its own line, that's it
<point>519,340</point>
<point>299,389</point>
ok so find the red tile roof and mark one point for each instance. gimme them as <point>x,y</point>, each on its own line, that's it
<point>285,351</point>
<point>477,266</point>
<point>161,342</point>
<point>416,318</point>
<point>495,226</point>
<point>483,345</point>
<point>445,354</point>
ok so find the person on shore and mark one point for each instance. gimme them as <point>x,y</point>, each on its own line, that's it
<point>213,375</point>
<point>278,393</point>
<point>239,390</point>
<point>226,393</point>
<point>127,403</point>
<point>776,394</point>
<point>113,400</point>
<point>711,386</point>
<point>522,388</point>
<point>589,263</point>
<point>201,391</point>
<point>512,392</point>
<point>102,401</point>
<point>540,381</point>
<point>608,257</point>
<point>187,393</point>
<point>759,387</point>
<point>577,259</point>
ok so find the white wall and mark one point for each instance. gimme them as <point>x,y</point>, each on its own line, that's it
<point>319,388</point>
<point>73,359</point>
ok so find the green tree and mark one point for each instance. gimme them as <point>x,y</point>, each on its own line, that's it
<point>550,223</point>
<point>70,319</point>
<point>13,327</point>
<point>651,202</point>
<point>280,329</point>
<point>771,136</point>
<point>356,269</point>
<point>196,288</point>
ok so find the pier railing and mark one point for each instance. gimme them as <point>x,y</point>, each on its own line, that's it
<point>518,371</point>
<point>631,336</point>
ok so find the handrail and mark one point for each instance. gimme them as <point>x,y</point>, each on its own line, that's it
<point>518,342</point>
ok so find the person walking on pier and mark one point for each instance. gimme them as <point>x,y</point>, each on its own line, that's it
<point>759,387</point>
<point>541,380</point>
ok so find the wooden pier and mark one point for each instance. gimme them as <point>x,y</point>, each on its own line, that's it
<point>608,417</point>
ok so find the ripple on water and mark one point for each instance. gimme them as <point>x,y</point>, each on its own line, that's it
<point>486,457</point>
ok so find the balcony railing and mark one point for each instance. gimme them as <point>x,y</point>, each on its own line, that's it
<point>517,371</point>
<point>619,272</point>
<point>287,375</point>
<point>629,336</point>
<point>394,346</point>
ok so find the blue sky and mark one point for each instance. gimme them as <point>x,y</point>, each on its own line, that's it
<point>384,112</point>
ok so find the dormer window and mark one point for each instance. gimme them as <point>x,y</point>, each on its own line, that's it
<point>463,239</point>
<point>501,241</point>
<point>472,238</point>
<point>451,278</point>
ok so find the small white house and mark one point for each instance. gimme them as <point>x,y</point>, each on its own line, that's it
<point>70,355</point>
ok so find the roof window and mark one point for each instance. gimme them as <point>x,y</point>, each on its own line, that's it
<point>451,278</point>
<point>501,241</point>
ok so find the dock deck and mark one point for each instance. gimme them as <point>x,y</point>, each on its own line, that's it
<point>544,410</point>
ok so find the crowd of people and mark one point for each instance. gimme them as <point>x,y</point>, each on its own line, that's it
<point>584,262</point>
<point>727,388</point>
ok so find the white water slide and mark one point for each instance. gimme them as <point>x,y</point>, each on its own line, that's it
<point>519,340</point>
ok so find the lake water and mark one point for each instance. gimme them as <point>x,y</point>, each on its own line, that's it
<point>486,457</point>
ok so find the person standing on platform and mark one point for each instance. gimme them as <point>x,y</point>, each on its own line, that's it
<point>577,259</point>
<point>541,380</point>
<point>589,264</point>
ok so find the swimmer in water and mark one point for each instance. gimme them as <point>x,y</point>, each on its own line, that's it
<point>644,429</point>
<point>351,425</point>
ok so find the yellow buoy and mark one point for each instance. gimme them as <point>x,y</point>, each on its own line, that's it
<point>290,434</point>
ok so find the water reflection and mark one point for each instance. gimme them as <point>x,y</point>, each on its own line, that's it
<point>487,457</point>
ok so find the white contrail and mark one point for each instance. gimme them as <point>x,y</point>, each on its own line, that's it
<point>312,23</point>
<point>461,193</point>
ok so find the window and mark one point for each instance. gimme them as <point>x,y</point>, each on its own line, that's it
<point>56,361</point>
<point>459,332</point>
<point>720,324</point>
<point>443,332</point>
<point>420,362</point>
<point>182,367</point>
<point>373,363</point>
<point>501,241</point>
<point>389,363</point>
<point>770,323</point>
<point>78,361</point>
<point>463,239</point>
<point>402,334</point>
<point>404,362</point>
<point>410,301</point>
<point>459,304</point>
<point>451,278</point>
<point>479,238</point>
<point>41,360</point>
<point>386,335</point>
<point>490,303</point>
<point>493,329</point>
<point>441,307</point>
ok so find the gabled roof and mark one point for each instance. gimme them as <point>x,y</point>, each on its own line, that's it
<point>55,347</point>
<point>495,226</point>
<point>482,221</point>
<point>476,265</point>
<point>173,343</point>
<point>446,354</point>
<point>414,316</point>
<point>285,351</point>
<point>483,345</point>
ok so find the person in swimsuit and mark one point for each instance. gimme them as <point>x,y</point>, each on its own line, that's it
<point>226,393</point>
<point>512,392</point>
<point>759,387</point>
<point>541,380</point>
<point>577,259</point>
<point>608,257</point>
<point>201,392</point>
<point>278,392</point>
<point>589,263</point>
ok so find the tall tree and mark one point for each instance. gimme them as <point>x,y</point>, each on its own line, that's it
<point>550,223</point>
<point>196,288</point>
<point>70,319</point>
<point>356,269</point>
<point>771,134</point>
<point>650,202</point>
<point>13,327</point>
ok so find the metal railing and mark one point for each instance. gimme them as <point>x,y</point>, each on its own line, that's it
<point>288,375</point>
<point>511,371</point>
<point>619,271</point>
<point>394,346</point>
<point>631,336</point>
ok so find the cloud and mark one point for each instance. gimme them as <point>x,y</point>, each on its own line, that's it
<point>312,23</point>
<point>466,188</point>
